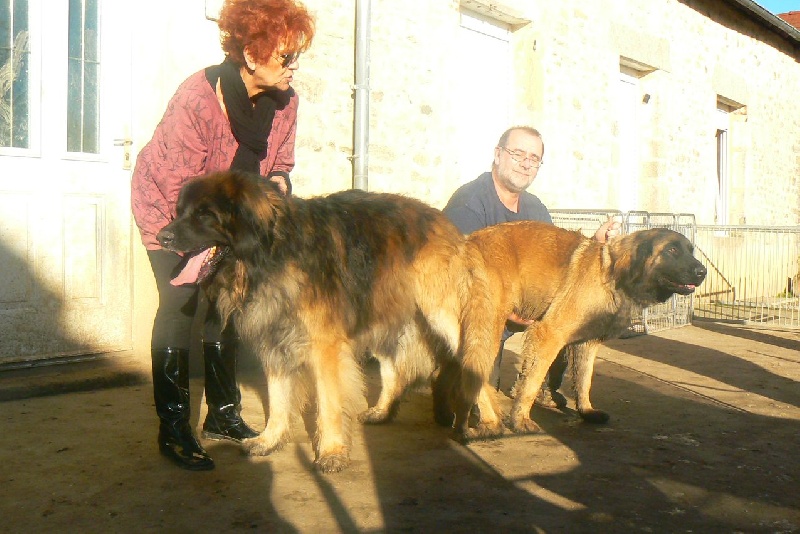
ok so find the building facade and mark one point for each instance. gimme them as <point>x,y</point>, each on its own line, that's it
<point>665,106</point>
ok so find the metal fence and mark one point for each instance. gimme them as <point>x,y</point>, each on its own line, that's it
<point>753,271</point>
<point>752,274</point>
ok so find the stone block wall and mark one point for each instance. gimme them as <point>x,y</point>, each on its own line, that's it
<point>566,59</point>
<point>567,62</point>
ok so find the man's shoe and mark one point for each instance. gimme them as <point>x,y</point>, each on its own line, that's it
<point>219,426</point>
<point>551,398</point>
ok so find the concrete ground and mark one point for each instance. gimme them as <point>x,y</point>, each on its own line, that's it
<point>703,438</point>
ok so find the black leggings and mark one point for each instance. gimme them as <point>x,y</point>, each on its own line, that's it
<point>177,306</point>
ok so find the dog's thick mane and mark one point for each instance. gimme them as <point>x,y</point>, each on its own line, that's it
<point>339,241</point>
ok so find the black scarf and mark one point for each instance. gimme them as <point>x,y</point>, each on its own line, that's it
<point>250,124</point>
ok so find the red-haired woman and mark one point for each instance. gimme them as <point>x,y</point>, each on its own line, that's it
<point>241,114</point>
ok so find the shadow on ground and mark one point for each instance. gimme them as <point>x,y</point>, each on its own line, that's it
<point>677,456</point>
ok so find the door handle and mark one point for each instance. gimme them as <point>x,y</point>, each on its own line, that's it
<point>126,152</point>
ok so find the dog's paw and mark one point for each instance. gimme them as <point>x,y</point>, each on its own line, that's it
<point>481,431</point>
<point>596,417</point>
<point>332,463</point>
<point>524,425</point>
<point>374,416</point>
<point>261,447</point>
<point>461,436</point>
<point>487,430</point>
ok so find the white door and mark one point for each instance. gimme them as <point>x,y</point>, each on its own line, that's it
<point>629,135</point>
<point>484,91</point>
<point>65,230</point>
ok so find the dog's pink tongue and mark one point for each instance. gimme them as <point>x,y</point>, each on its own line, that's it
<point>189,273</point>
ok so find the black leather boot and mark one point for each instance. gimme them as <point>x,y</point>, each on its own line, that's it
<point>176,440</point>
<point>222,395</point>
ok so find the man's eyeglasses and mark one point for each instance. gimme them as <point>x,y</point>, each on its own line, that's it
<point>288,59</point>
<point>519,156</point>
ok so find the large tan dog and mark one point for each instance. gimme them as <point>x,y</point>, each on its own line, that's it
<point>312,284</point>
<point>579,292</point>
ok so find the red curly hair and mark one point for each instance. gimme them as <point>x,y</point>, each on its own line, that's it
<point>264,27</point>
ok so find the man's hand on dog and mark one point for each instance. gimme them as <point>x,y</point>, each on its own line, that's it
<point>515,323</point>
<point>608,230</point>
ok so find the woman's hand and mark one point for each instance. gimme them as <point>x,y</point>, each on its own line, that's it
<point>280,181</point>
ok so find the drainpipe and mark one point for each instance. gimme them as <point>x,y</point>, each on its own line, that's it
<point>360,157</point>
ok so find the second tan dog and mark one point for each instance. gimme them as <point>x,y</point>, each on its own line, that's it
<point>579,292</point>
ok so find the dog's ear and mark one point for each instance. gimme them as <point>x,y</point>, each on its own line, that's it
<point>258,200</point>
<point>629,261</point>
<point>257,204</point>
<point>621,255</point>
<point>642,252</point>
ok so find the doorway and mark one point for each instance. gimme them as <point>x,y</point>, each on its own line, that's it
<point>65,227</point>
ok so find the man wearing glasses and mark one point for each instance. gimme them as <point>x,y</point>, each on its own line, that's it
<point>501,196</point>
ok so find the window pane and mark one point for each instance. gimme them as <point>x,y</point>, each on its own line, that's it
<point>91,77</point>
<point>90,109</point>
<point>20,108</point>
<point>75,28</point>
<point>83,71</point>
<point>14,76</point>
<point>90,31</point>
<point>5,29</point>
<point>74,111</point>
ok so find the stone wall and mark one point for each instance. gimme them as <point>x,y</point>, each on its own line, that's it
<point>567,62</point>
<point>410,113</point>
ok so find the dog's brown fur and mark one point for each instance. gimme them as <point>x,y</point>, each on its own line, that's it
<point>579,292</point>
<point>311,285</point>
